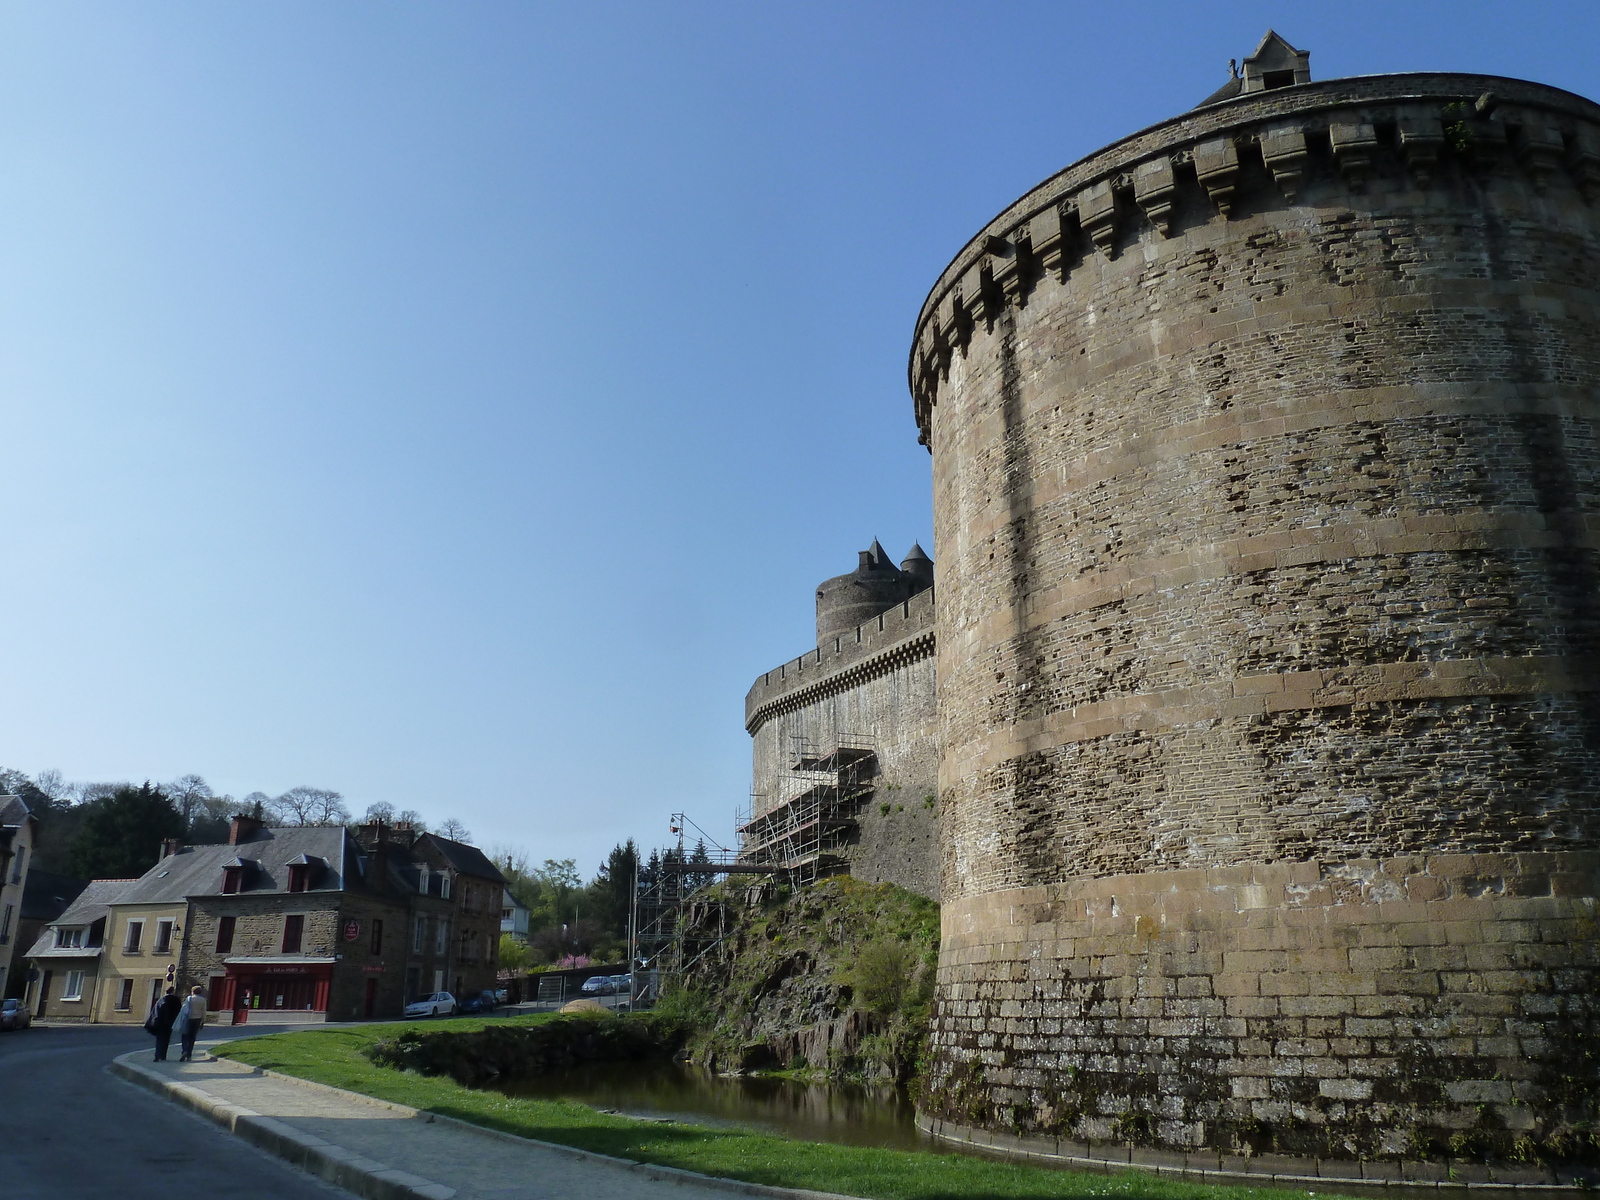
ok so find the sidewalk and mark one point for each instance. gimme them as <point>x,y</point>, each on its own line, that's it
<point>387,1151</point>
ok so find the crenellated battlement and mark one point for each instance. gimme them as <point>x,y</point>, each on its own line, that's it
<point>901,634</point>
<point>1419,131</point>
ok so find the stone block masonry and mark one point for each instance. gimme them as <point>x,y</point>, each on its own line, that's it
<point>1266,450</point>
<point>877,680</point>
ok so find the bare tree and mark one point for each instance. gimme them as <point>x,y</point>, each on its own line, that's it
<point>309,806</point>
<point>51,784</point>
<point>412,818</point>
<point>188,793</point>
<point>454,830</point>
<point>381,811</point>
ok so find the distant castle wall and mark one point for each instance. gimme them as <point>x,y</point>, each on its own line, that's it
<point>876,681</point>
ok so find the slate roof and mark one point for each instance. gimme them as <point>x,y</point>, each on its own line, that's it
<point>13,811</point>
<point>46,895</point>
<point>469,860</point>
<point>197,870</point>
<point>93,904</point>
<point>1226,92</point>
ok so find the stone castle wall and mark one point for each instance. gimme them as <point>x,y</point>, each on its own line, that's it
<point>880,683</point>
<point>1267,493</point>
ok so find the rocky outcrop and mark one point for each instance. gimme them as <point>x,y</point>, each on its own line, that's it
<point>783,990</point>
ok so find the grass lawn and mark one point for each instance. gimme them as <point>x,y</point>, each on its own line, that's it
<point>333,1056</point>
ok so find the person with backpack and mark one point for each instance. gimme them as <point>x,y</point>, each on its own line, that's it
<point>190,1018</point>
<point>162,1014</point>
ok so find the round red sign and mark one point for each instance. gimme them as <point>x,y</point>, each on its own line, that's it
<point>352,930</point>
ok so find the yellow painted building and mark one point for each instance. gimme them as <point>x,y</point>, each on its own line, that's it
<point>139,960</point>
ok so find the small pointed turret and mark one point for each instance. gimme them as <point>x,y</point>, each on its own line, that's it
<point>917,567</point>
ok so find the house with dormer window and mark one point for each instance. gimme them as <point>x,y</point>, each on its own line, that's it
<point>289,924</point>
<point>67,959</point>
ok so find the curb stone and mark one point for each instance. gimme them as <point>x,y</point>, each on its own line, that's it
<point>373,1180</point>
<point>364,1176</point>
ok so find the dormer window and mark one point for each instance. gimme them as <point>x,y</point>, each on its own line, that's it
<point>234,875</point>
<point>1271,80</point>
<point>422,879</point>
<point>444,885</point>
<point>302,873</point>
<point>69,938</point>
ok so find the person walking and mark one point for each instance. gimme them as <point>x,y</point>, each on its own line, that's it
<point>162,1015</point>
<point>190,1018</point>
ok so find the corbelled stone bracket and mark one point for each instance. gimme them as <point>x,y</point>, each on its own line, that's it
<point>1354,143</point>
<point>1155,187</point>
<point>1216,165</point>
<point>1283,149</point>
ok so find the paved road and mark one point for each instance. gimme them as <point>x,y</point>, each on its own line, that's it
<point>69,1130</point>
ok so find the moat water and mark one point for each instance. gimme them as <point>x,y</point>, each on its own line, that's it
<point>851,1115</point>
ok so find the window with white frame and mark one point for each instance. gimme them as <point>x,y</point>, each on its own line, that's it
<point>69,939</point>
<point>163,937</point>
<point>125,996</point>
<point>73,988</point>
<point>442,941</point>
<point>16,871</point>
<point>135,936</point>
<point>444,885</point>
<point>422,879</point>
<point>418,932</point>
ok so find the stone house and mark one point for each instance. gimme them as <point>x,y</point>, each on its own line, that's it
<point>289,921</point>
<point>453,896</point>
<point>66,958</point>
<point>17,826</point>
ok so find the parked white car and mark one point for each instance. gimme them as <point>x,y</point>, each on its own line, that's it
<point>440,1004</point>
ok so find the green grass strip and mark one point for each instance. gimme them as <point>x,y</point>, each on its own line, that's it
<point>333,1056</point>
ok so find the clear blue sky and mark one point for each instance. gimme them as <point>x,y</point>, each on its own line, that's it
<point>455,404</point>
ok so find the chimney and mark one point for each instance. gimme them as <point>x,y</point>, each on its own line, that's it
<point>242,828</point>
<point>170,846</point>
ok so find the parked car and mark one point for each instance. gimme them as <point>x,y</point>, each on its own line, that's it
<point>622,985</point>
<point>14,1014</point>
<point>598,985</point>
<point>478,1002</point>
<point>440,1004</point>
<point>501,995</point>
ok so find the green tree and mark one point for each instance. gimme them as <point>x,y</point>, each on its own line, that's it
<point>120,835</point>
<point>514,955</point>
<point>611,892</point>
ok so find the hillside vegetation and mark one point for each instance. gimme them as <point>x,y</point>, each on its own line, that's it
<point>832,980</point>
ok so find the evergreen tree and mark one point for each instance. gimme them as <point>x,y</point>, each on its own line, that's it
<point>120,835</point>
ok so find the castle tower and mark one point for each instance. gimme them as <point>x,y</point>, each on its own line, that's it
<point>1266,453</point>
<point>847,601</point>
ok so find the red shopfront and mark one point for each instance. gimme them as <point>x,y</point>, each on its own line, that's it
<point>254,990</point>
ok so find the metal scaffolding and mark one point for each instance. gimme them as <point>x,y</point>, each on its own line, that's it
<point>824,789</point>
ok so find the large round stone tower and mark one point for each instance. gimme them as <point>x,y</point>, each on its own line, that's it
<point>1266,448</point>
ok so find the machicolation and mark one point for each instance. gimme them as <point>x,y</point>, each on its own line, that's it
<point>1267,499</point>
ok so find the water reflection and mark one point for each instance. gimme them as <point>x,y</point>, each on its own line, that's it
<point>854,1116</point>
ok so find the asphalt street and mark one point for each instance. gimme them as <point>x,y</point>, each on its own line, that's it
<point>69,1129</point>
